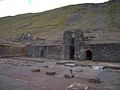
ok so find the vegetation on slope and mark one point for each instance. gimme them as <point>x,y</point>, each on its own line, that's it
<point>46,24</point>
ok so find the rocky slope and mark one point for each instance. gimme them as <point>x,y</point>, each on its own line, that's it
<point>99,20</point>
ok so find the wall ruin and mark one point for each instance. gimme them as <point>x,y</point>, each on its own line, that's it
<point>12,50</point>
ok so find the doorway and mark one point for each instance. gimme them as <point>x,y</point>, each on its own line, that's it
<point>42,53</point>
<point>72,52</point>
<point>88,55</point>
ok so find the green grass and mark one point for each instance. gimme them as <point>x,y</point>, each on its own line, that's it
<point>112,8</point>
<point>40,24</point>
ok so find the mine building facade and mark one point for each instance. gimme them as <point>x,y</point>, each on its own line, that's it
<point>74,47</point>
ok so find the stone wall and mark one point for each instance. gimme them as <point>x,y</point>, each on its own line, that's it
<point>105,52</point>
<point>32,51</point>
<point>52,51</point>
<point>67,41</point>
<point>12,50</point>
<point>55,52</point>
<point>79,44</point>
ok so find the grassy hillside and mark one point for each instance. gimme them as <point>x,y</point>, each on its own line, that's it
<point>87,17</point>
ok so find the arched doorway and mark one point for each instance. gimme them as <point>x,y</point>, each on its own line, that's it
<point>42,53</point>
<point>72,51</point>
<point>88,54</point>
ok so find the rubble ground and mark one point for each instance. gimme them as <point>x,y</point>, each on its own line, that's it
<point>24,73</point>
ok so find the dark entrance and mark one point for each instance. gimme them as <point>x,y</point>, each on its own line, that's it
<point>88,54</point>
<point>72,51</point>
<point>42,53</point>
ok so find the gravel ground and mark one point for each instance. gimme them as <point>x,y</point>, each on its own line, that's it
<point>16,74</point>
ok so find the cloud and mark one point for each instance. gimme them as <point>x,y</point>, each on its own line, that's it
<point>30,1</point>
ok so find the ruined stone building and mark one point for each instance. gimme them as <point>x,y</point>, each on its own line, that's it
<point>73,46</point>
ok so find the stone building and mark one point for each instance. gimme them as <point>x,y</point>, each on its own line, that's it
<point>73,46</point>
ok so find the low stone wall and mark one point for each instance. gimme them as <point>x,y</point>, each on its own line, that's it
<point>32,51</point>
<point>105,52</point>
<point>53,51</point>
<point>9,50</point>
<point>100,52</point>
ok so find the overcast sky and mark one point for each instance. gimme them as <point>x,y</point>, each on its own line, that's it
<point>14,7</point>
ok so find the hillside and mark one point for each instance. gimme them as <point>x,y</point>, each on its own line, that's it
<point>93,19</point>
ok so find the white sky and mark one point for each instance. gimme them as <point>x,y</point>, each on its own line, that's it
<point>14,7</point>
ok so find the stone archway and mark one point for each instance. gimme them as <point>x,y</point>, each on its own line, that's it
<point>89,54</point>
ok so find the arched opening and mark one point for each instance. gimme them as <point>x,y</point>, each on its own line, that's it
<point>88,55</point>
<point>72,51</point>
<point>42,53</point>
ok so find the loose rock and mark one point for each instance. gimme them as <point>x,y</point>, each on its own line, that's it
<point>97,80</point>
<point>50,72</point>
<point>36,70</point>
<point>77,86</point>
